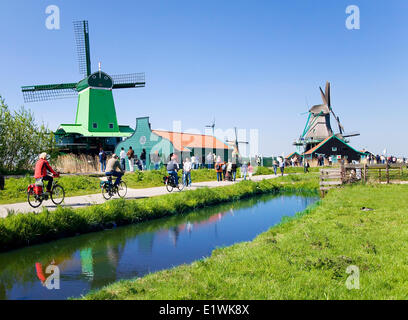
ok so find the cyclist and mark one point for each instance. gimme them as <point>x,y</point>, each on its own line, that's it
<point>111,169</point>
<point>172,168</point>
<point>41,171</point>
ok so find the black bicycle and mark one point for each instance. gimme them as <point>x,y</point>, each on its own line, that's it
<point>109,189</point>
<point>170,182</point>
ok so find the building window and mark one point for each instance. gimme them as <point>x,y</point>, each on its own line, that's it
<point>110,125</point>
<point>334,148</point>
<point>95,125</point>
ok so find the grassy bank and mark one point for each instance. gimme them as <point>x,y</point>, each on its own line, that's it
<point>304,258</point>
<point>27,229</point>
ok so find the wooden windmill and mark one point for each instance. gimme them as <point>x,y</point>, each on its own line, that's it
<point>96,119</point>
<point>236,155</point>
<point>318,125</point>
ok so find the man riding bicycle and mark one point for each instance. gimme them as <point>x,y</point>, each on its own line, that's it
<point>111,169</point>
<point>172,168</point>
<point>41,171</point>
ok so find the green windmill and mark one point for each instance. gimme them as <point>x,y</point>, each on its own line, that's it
<point>96,122</point>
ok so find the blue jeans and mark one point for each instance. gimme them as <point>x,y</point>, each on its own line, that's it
<point>219,176</point>
<point>123,164</point>
<point>245,174</point>
<point>234,175</point>
<point>116,174</point>
<point>103,165</point>
<point>187,178</point>
<point>156,166</point>
<point>174,174</point>
<point>274,169</point>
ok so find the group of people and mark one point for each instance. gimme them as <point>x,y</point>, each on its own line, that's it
<point>278,162</point>
<point>132,158</point>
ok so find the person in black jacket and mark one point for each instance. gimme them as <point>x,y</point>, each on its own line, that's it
<point>143,159</point>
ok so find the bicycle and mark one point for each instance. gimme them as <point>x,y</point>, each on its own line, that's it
<point>170,183</point>
<point>36,196</point>
<point>109,189</point>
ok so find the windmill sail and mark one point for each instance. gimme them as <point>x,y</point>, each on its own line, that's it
<point>130,80</point>
<point>49,92</point>
<point>81,29</point>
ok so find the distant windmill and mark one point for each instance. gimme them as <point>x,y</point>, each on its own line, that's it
<point>212,126</point>
<point>235,144</point>
<point>96,113</point>
<point>318,125</point>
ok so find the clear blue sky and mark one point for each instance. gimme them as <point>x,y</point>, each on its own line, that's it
<point>251,64</point>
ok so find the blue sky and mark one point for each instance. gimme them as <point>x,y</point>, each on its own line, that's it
<point>251,64</point>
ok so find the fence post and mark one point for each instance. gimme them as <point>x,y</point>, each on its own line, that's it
<point>365,173</point>
<point>387,170</point>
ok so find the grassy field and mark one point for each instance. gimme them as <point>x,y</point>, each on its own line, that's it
<point>21,230</point>
<point>303,258</point>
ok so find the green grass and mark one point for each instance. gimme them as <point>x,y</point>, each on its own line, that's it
<point>19,230</point>
<point>304,258</point>
<point>16,188</point>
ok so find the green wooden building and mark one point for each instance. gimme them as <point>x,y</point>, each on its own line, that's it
<point>168,142</point>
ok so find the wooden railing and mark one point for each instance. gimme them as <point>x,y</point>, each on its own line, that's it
<point>350,173</point>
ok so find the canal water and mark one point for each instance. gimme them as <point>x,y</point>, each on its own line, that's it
<point>91,261</point>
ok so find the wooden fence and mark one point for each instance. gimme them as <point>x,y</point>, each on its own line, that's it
<point>350,173</point>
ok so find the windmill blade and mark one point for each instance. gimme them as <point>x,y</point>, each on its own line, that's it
<point>81,30</point>
<point>130,80</point>
<point>323,96</point>
<point>49,92</point>
<point>327,94</point>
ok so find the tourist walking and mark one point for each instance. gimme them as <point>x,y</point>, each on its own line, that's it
<point>306,166</point>
<point>250,170</point>
<point>102,159</point>
<point>218,169</point>
<point>193,162</point>
<point>122,156</point>
<point>228,175</point>
<point>209,160</point>
<point>131,154</point>
<point>224,170</point>
<point>143,159</point>
<point>275,166</point>
<point>244,170</point>
<point>234,170</point>
<point>282,165</point>
<point>156,160</point>
<point>187,167</point>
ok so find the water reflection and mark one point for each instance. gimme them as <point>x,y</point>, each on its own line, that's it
<point>91,261</point>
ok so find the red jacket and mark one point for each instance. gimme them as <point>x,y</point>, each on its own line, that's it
<point>41,168</point>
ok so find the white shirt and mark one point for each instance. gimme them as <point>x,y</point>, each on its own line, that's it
<point>123,154</point>
<point>187,166</point>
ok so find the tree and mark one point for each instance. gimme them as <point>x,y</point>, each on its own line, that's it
<point>22,139</point>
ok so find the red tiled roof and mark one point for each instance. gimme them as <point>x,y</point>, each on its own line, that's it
<point>185,141</point>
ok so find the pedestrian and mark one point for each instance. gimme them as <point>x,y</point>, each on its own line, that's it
<point>155,158</point>
<point>209,160</point>
<point>102,159</point>
<point>228,175</point>
<point>224,170</point>
<point>143,159</point>
<point>193,162</point>
<point>282,165</point>
<point>234,170</point>
<point>218,169</point>
<point>307,165</point>
<point>138,163</point>
<point>122,156</point>
<point>187,167</point>
<point>330,160</point>
<point>131,154</point>
<point>250,170</point>
<point>275,166</point>
<point>244,170</point>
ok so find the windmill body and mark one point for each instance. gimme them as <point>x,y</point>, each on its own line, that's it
<point>96,122</point>
<point>318,127</point>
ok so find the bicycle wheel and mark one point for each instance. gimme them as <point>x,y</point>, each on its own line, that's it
<point>169,187</point>
<point>33,200</point>
<point>181,186</point>
<point>106,193</point>
<point>57,194</point>
<point>122,189</point>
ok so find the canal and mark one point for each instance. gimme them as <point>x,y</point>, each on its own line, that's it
<point>91,261</point>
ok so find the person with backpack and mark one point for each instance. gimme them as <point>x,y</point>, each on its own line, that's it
<point>218,169</point>
<point>102,159</point>
<point>131,154</point>
<point>143,159</point>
